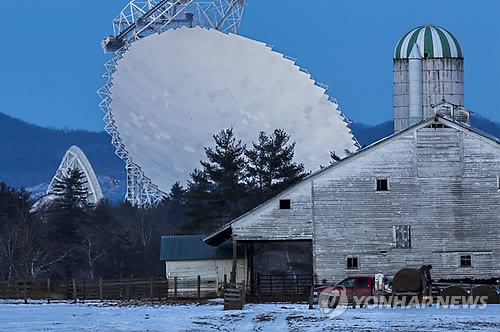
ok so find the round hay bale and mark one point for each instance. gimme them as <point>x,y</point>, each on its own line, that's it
<point>454,291</point>
<point>485,290</point>
<point>407,280</point>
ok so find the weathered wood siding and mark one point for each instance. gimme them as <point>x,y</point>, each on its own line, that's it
<point>442,182</point>
<point>270,223</point>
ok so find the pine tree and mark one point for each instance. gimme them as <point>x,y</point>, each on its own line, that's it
<point>70,192</point>
<point>177,194</point>
<point>215,192</point>
<point>68,212</point>
<point>284,172</point>
<point>70,204</point>
<point>258,172</point>
<point>225,166</point>
<point>270,166</point>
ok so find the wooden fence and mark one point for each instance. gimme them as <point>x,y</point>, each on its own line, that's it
<point>263,288</point>
<point>116,289</point>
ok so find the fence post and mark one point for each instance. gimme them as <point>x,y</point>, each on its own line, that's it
<point>84,290</point>
<point>225,281</point>
<point>353,297</point>
<point>100,290</point>
<point>128,289</point>
<point>160,285</point>
<point>25,292</point>
<point>175,288</point>
<point>311,297</point>
<point>258,287</point>
<point>243,292</point>
<point>199,287</point>
<point>151,285</point>
<point>166,298</point>
<point>74,290</point>
<point>48,290</point>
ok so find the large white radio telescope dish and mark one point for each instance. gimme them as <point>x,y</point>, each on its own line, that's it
<point>172,91</point>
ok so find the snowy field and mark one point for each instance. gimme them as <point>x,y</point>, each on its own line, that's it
<point>15,316</point>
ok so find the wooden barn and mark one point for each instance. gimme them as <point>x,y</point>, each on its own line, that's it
<point>429,194</point>
<point>187,257</point>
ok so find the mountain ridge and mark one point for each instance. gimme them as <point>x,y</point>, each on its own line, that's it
<point>33,153</point>
<point>30,154</point>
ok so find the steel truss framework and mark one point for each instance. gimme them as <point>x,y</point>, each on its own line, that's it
<point>223,15</point>
<point>140,191</point>
<point>141,18</point>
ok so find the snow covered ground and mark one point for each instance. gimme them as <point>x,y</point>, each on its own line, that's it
<point>15,317</point>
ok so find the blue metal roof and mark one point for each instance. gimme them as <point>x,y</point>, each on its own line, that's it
<point>190,247</point>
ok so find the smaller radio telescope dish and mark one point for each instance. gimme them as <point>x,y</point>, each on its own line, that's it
<point>75,158</point>
<point>170,92</point>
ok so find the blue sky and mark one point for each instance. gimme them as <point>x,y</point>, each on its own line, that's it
<point>52,62</point>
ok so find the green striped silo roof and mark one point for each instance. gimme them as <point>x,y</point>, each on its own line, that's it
<point>433,41</point>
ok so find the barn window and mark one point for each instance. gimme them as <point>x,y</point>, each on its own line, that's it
<point>465,261</point>
<point>382,184</point>
<point>401,236</point>
<point>285,204</point>
<point>353,263</point>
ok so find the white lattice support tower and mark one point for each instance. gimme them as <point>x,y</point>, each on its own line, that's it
<point>140,190</point>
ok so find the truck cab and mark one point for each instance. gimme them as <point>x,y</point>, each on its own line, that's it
<point>359,286</point>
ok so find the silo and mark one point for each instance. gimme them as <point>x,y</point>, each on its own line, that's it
<point>442,75</point>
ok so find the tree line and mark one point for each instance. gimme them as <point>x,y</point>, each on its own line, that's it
<point>66,237</point>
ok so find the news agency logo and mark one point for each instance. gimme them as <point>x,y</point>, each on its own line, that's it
<point>333,302</point>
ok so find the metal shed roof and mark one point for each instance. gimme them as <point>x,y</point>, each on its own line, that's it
<point>190,247</point>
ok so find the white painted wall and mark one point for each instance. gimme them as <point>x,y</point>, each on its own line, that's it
<point>208,269</point>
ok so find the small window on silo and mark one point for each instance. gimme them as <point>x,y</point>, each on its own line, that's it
<point>382,185</point>
<point>285,204</point>
<point>498,182</point>
<point>465,261</point>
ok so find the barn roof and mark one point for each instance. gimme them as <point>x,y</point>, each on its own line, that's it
<point>190,247</point>
<point>225,232</point>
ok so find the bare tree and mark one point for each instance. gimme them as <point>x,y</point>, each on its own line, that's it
<point>92,253</point>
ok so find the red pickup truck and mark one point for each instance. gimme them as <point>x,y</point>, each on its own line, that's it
<point>364,287</point>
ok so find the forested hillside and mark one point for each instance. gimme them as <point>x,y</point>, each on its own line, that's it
<point>30,155</point>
